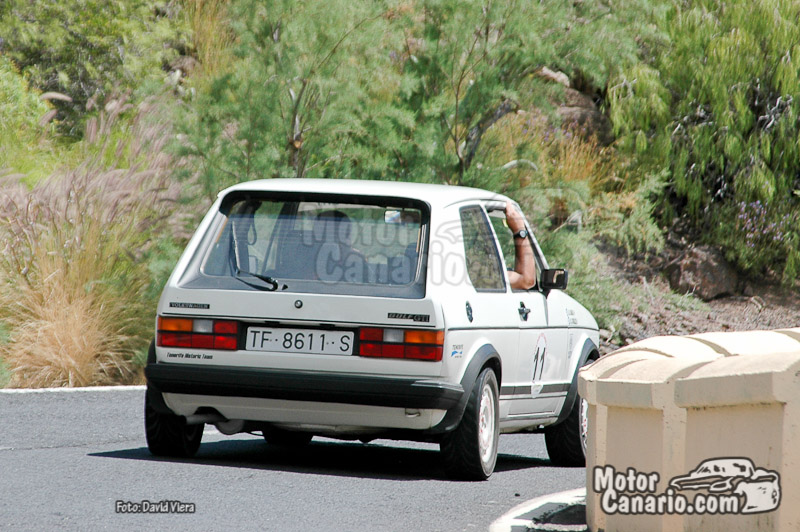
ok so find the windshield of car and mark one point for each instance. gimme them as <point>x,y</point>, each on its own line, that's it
<point>320,244</point>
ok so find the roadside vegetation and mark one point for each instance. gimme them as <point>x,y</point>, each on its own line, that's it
<point>81,255</point>
<point>614,124</point>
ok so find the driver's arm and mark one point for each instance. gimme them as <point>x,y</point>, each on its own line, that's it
<point>523,276</point>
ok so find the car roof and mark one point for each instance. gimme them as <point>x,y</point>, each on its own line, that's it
<point>435,195</point>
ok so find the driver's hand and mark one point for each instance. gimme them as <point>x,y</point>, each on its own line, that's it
<point>514,218</point>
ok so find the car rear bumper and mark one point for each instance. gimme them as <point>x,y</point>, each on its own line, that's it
<point>303,386</point>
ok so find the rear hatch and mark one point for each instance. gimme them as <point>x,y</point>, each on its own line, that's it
<point>306,282</point>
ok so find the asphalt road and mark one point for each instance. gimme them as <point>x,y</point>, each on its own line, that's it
<point>66,458</point>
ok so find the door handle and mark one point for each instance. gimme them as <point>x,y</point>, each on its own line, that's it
<point>523,311</point>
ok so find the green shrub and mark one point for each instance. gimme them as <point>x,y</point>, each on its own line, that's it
<point>305,86</point>
<point>85,49</point>
<point>590,280</point>
<point>20,108</point>
<point>757,237</point>
<point>25,132</point>
<point>718,110</point>
<point>625,219</point>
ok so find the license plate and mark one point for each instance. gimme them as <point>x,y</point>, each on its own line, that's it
<point>308,341</point>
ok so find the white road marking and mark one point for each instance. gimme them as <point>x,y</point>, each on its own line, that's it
<point>511,518</point>
<point>69,390</point>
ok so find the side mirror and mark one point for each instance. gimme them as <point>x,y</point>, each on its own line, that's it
<point>554,279</point>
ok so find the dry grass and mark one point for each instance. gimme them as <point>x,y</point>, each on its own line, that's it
<point>560,172</point>
<point>73,268</point>
<point>575,158</point>
<point>59,339</point>
<point>212,37</point>
<point>559,156</point>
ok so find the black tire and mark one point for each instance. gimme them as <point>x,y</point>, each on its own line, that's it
<point>470,451</point>
<point>169,435</point>
<point>566,442</point>
<point>286,438</point>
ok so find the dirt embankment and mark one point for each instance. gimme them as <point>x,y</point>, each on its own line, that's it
<point>768,306</point>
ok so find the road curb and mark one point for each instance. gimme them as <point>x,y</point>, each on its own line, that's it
<point>70,390</point>
<point>557,512</point>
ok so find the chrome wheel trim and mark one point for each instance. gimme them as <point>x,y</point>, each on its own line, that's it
<point>486,424</point>
<point>583,419</point>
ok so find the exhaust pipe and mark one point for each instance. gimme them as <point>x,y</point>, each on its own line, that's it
<point>224,425</point>
<point>230,426</point>
<point>197,419</point>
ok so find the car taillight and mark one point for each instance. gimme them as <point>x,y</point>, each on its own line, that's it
<point>198,333</point>
<point>418,344</point>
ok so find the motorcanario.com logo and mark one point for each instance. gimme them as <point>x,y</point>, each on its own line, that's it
<point>715,486</point>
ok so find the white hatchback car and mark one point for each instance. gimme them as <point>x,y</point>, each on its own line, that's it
<point>363,310</point>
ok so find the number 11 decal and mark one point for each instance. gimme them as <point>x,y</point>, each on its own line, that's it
<point>538,358</point>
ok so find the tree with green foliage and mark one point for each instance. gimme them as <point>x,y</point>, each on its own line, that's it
<point>470,63</point>
<point>85,49</point>
<point>21,111</point>
<point>298,95</point>
<point>718,108</point>
<point>27,135</point>
<point>392,90</point>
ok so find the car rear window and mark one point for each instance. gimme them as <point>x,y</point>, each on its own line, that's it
<point>317,243</point>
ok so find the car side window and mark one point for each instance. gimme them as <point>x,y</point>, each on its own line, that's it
<point>484,267</point>
<point>506,240</point>
<point>504,237</point>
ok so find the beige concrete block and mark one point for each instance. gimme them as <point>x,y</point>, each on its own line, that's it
<point>743,379</point>
<point>648,382</point>
<point>673,346</point>
<point>788,517</point>
<point>596,441</point>
<point>641,426</point>
<point>641,449</point>
<point>792,333</point>
<point>749,342</point>
<point>751,431</point>
<point>605,366</point>
<point>668,404</point>
<point>749,406</point>
<point>612,362</point>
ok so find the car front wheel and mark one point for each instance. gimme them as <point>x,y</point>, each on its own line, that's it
<point>169,435</point>
<point>566,442</point>
<point>470,451</point>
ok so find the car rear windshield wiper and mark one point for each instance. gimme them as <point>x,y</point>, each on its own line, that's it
<point>238,273</point>
<point>273,284</point>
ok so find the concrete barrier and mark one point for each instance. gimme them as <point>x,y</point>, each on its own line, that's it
<point>695,433</point>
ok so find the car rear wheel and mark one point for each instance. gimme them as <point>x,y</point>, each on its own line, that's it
<point>470,451</point>
<point>169,435</point>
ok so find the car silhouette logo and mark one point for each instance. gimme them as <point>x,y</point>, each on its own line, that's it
<point>758,489</point>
